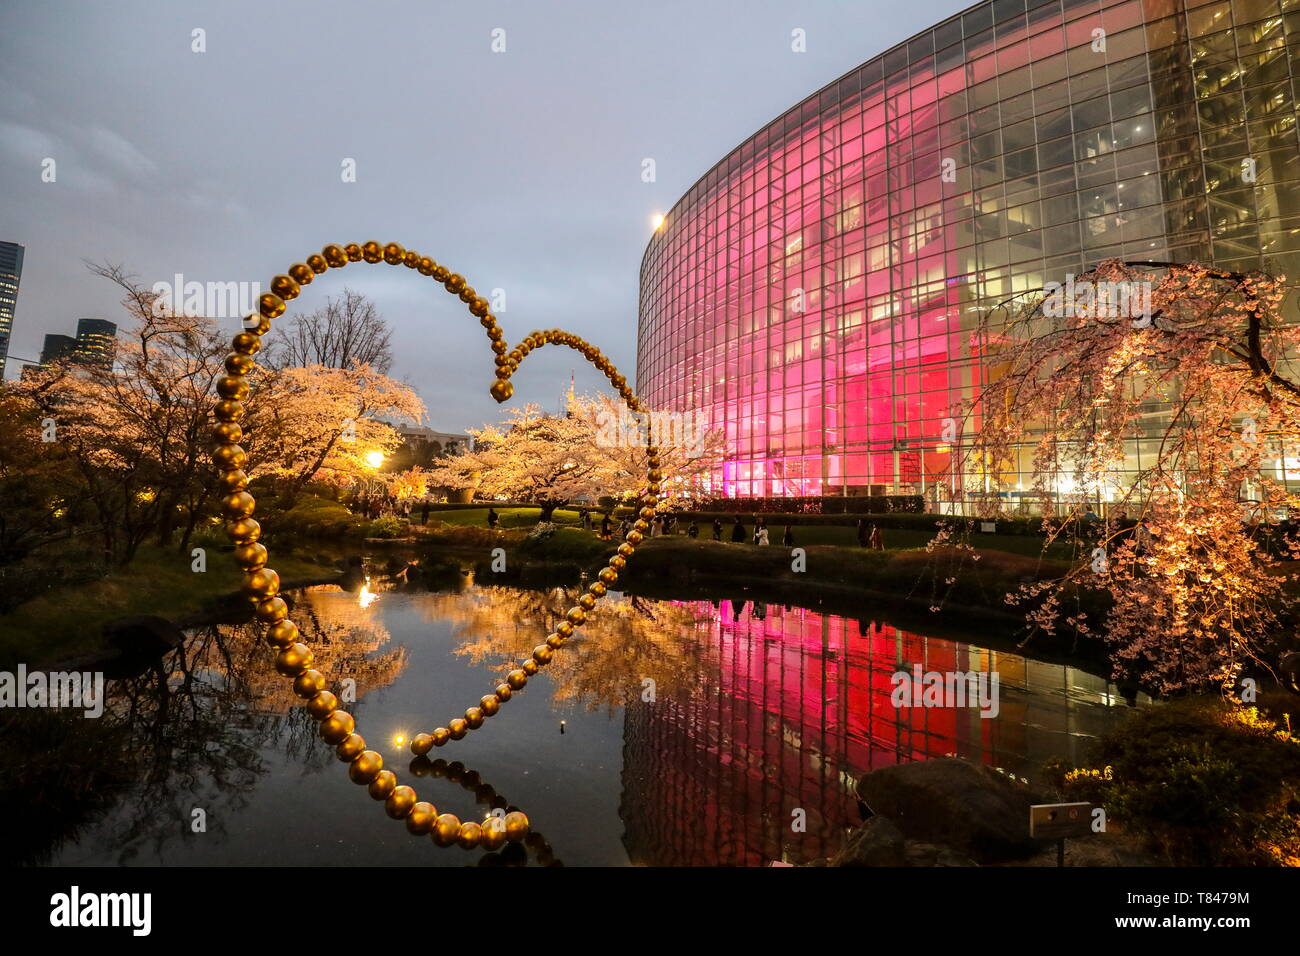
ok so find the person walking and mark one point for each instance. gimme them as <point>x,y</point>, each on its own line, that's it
<point>586,520</point>
<point>863,533</point>
<point>761,538</point>
<point>693,530</point>
<point>424,511</point>
<point>606,527</point>
<point>492,517</point>
<point>717,529</point>
<point>787,538</point>
<point>876,541</point>
<point>738,532</point>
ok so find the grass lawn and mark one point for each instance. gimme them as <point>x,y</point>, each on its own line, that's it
<point>804,535</point>
<point>66,622</point>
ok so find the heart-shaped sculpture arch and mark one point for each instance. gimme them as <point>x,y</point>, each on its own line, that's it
<point>262,584</point>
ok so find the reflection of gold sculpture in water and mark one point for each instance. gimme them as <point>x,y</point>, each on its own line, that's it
<point>262,584</point>
<point>486,794</point>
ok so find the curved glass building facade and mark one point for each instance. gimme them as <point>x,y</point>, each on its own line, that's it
<point>813,294</point>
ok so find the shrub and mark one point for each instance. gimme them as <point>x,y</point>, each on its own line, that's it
<point>1206,782</point>
<point>387,526</point>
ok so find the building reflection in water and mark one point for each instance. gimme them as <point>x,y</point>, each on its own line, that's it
<point>801,708</point>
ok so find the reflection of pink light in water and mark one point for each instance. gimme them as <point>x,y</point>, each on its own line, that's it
<point>799,709</point>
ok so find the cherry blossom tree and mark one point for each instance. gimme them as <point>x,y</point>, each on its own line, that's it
<point>1193,363</point>
<point>554,460</point>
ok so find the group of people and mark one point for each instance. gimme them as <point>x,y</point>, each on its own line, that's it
<point>374,506</point>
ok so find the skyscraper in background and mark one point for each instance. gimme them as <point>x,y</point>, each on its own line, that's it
<point>11,271</point>
<point>57,346</point>
<point>96,339</point>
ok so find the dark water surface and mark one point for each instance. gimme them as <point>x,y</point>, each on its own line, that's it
<point>691,734</point>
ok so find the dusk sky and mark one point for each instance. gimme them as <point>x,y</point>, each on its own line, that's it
<point>521,170</point>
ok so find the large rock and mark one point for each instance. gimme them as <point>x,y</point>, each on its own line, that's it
<point>965,806</point>
<point>876,843</point>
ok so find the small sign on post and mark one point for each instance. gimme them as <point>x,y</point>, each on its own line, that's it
<point>1058,821</point>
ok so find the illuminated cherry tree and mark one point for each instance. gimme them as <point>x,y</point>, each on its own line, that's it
<point>552,460</point>
<point>1192,363</point>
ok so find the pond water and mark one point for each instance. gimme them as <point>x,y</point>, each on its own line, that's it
<point>665,733</point>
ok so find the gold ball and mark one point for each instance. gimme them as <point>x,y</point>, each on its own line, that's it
<point>365,766</point>
<point>587,601</point>
<point>489,705</point>
<point>228,411</point>
<point>504,692</point>
<point>555,641</point>
<point>635,537</point>
<point>317,263</point>
<point>336,257</point>
<point>263,582</point>
<point>470,834</point>
<point>576,616</point>
<point>293,660</point>
<point>285,287</point>
<point>618,562</point>
<point>446,829</point>
<point>529,667</point>
<point>457,728</point>
<point>426,266</point>
<point>309,683</point>
<point>608,576</point>
<point>564,629</point>
<point>282,633</point>
<point>598,588</point>
<point>626,550</point>
<point>502,390</point>
<point>251,557</point>
<point>542,654</point>
<point>271,611</point>
<point>337,726</point>
<point>494,833</point>
<point>224,433</point>
<point>516,826</point>
<point>239,364</point>
<point>440,273</point>
<point>246,343</point>
<point>228,457</point>
<point>420,819</point>
<point>263,325</point>
<point>421,744</point>
<point>354,252</point>
<point>393,254</point>
<point>245,530</point>
<point>372,251</point>
<point>301,273</point>
<point>454,283</point>
<point>516,679</point>
<point>474,717</point>
<point>411,259</point>
<point>399,802</point>
<point>384,783</point>
<point>440,736</point>
<point>353,744</point>
<point>239,505</point>
<point>478,306</point>
<point>323,705</point>
<point>270,305</point>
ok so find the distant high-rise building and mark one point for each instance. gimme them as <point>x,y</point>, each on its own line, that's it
<point>57,347</point>
<point>11,271</point>
<point>96,339</point>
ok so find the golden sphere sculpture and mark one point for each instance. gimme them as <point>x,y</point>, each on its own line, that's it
<point>261,584</point>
